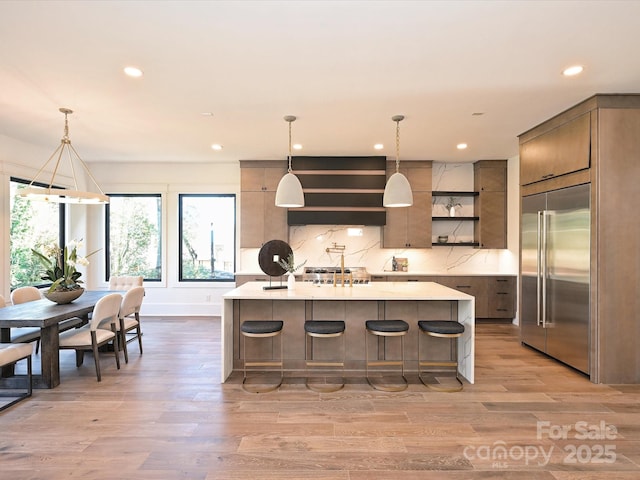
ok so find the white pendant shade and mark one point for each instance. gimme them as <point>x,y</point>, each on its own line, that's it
<point>397,193</point>
<point>289,193</point>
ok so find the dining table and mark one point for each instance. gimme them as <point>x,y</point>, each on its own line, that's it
<point>47,315</point>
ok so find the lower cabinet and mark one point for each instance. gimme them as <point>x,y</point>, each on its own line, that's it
<point>501,297</point>
<point>495,294</point>
<point>473,285</point>
<point>244,278</point>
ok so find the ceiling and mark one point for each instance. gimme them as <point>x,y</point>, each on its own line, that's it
<point>344,68</point>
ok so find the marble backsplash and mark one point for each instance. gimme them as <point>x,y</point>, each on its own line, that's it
<point>309,243</point>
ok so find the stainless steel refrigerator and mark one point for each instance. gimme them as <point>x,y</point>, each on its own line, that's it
<point>555,260</point>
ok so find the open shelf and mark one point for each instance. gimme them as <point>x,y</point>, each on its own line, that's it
<point>455,218</point>
<point>454,194</point>
<point>456,244</point>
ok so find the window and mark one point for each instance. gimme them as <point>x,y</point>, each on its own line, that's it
<point>133,230</point>
<point>33,224</point>
<point>207,234</point>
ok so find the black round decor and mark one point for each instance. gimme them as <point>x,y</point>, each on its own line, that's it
<point>265,257</point>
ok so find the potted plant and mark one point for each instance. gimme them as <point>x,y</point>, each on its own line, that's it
<point>290,266</point>
<point>452,203</point>
<point>60,268</point>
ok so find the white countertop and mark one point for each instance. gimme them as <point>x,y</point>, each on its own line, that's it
<point>370,291</point>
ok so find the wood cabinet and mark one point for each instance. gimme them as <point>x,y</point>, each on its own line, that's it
<point>244,278</point>
<point>501,297</point>
<point>613,169</point>
<point>560,150</point>
<point>472,285</point>
<point>410,227</point>
<point>490,205</point>
<point>495,294</point>
<point>260,219</point>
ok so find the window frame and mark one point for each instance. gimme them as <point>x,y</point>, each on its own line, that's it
<point>107,232</point>
<point>181,196</point>
<point>62,220</point>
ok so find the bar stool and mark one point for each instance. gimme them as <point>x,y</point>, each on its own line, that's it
<point>262,329</point>
<point>441,329</point>
<point>323,329</point>
<point>386,328</point>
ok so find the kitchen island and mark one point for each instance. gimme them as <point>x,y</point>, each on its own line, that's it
<point>374,301</point>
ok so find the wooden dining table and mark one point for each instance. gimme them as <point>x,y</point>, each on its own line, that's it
<point>46,315</point>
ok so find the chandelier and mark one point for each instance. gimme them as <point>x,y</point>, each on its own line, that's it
<point>63,195</point>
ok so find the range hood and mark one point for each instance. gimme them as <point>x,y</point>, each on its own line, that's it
<point>340,190</point>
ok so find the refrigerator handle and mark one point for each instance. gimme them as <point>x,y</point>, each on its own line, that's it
<point>539,269</point>
<point>543,276</point>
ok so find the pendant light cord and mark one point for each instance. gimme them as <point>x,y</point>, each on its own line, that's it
<point>397,119</point>
<point>289,147</point>
<point>397,146</point>
<point>289,119</point>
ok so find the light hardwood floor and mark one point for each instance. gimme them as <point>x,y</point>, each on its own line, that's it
<point>165,416</point>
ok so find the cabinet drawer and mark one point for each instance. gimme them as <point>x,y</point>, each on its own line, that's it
<point>501,297</point>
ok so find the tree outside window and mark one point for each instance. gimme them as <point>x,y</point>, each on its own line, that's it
<point>133,231</point>
<point>207,237</point>
<point>33,225</point>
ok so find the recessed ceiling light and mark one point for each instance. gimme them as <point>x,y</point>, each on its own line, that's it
<point>461,146</point>
<point>216,146</point>
<point>378,146</point>
<point>573,70</point>
<point>296,146</point>
<point>133,72</point>
<point>207,114</point>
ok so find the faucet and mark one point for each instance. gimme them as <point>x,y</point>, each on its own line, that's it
<point>338,249</point>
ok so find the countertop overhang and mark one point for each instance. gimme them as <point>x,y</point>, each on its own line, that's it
<point>370,291</point>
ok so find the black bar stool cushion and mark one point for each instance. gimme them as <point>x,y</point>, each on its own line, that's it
<point>442,327</point>
<point>324,327</point>
<point>257,327</point>
<point>389,326</point>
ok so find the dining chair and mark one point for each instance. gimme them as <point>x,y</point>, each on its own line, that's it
<point>10,354</point>
<point>24,334</point>
<point>91,337</point>
<point>124,282</point>
<point>30,334</point>
<point>129,320</point>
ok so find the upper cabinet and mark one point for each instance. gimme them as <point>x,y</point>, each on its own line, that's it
<point>260,219</point>
<point>563,149</point>
<point>410,227</point>
<point>490,205</point>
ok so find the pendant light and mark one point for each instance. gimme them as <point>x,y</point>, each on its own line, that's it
<point>289,192</point>
<point>63,195</point>
<point>397,192</point>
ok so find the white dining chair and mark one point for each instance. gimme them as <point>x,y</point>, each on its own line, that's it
<point>10,354</point>
<point>129,320</point>
<point>124,282</point>
<point>91,337</point>
<point>24,334</point>
<point>30,334</point>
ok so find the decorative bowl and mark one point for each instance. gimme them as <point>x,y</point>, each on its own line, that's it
<point>62,297</point>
